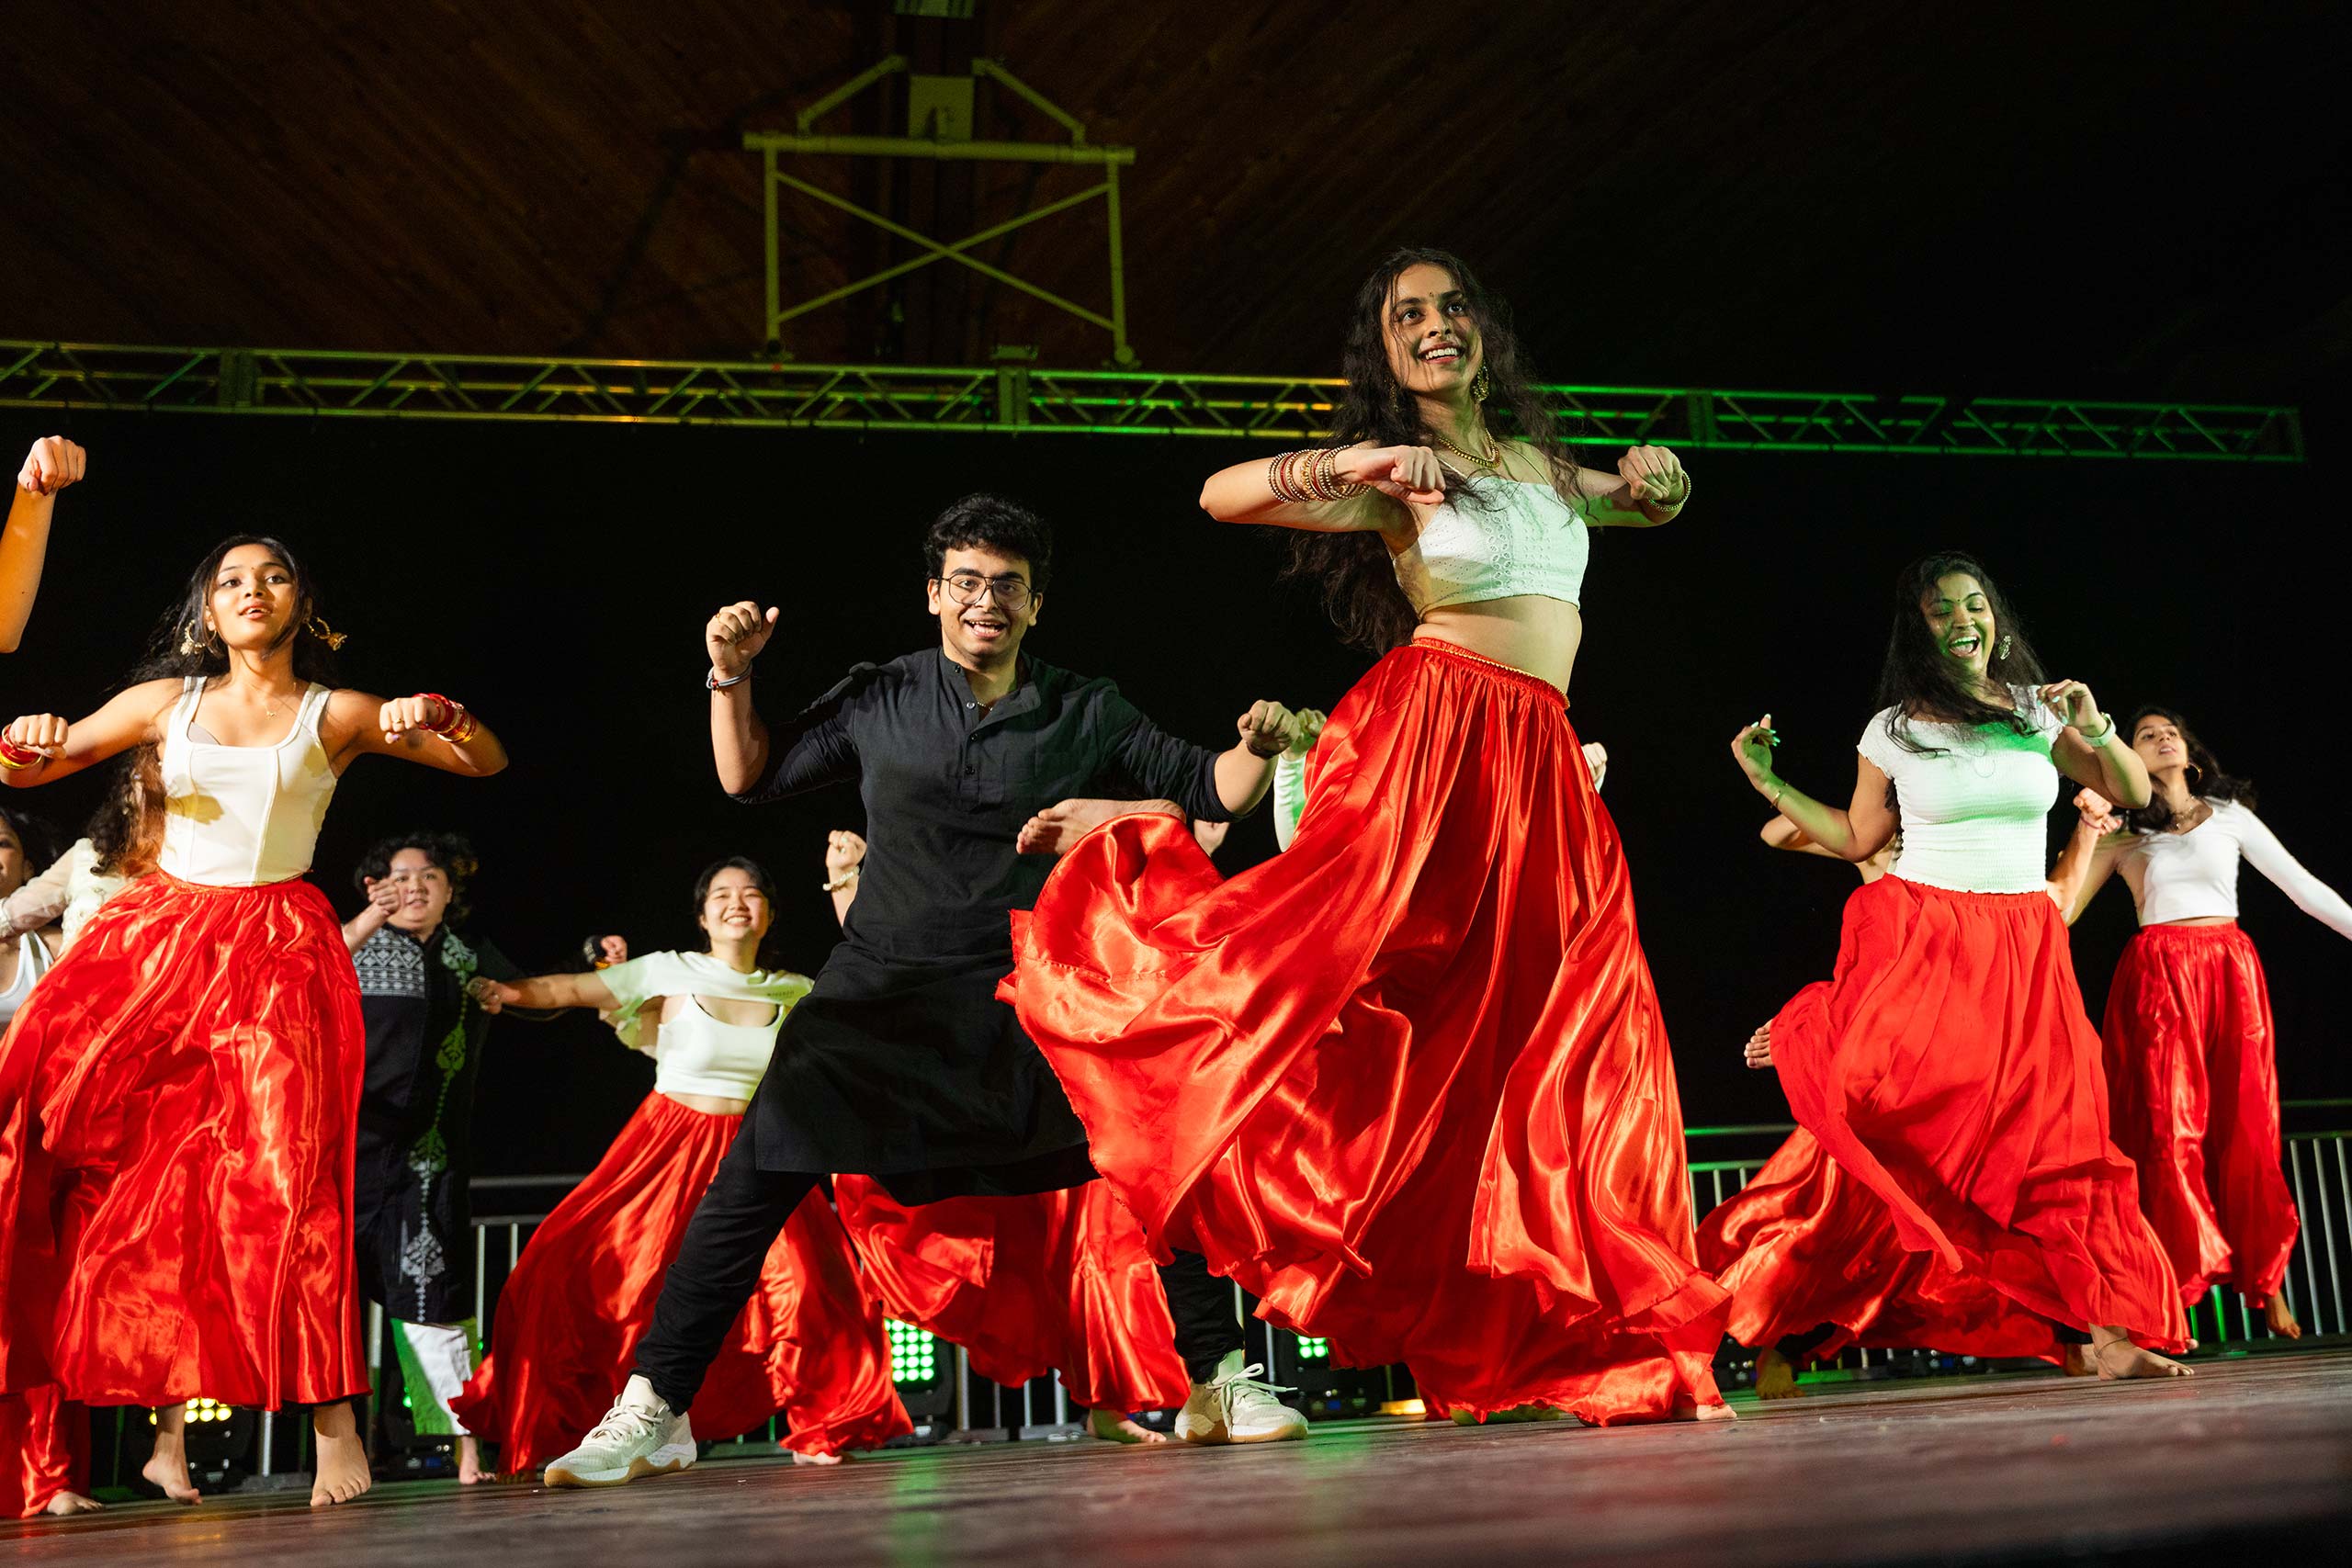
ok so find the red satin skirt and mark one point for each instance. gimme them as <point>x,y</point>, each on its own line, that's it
<point>1804,1246</point>
<point>177,1105</point>
<point>1406,1082</point>
<point>1054,1281</point>
<point>1949,1068</point>
<point>45,1440</point>
<point>2193,1073</point>
<point>562,1339</point>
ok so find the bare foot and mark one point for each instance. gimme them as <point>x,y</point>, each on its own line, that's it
<point>1776,1375</point>
<point>1053,830</point>
<point>166,1468</point>
<point>2077,1362</point>
<point>2133,1361</point>
<point>799,1458</point>
<point>66,1503</point>
<point>470,1461</point>
<point>1114,1428</point>
<point>341,1471</point>
<point>2281,1318</point>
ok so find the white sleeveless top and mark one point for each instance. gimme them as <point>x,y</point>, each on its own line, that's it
<point>693,1052</point>
<point>242,816</point>
<point>1517,537</point>
<point>1974,811</point>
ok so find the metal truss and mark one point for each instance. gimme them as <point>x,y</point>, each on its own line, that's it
<point>1020,399</point>
<point>939,114</point>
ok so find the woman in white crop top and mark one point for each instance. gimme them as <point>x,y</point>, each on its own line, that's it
<point>248,1294</point>
<point>567,1322</point>
<point>2192,1066</point>
<point>1453,917</point>
<point>1948,1070</point>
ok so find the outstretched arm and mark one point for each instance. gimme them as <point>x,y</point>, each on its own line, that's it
<point>1247,772</point>
<point>2312,897</point>
<point>1342,489</point>
<point>39,749</point>
<point>2089,857</point>
<point>587,990</point>
<point>51,465</point>
<point>383,898</point>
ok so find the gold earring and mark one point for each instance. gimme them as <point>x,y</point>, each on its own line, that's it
<point>188,637</point>
<point>1481,383</point>
<point>319,629</point>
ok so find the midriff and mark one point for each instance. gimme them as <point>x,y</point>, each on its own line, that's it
<point>709,1104</point>
<point>1527,631</point>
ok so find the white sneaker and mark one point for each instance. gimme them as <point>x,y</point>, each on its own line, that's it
<point>1235,1408</point>
<point>638,1437</point>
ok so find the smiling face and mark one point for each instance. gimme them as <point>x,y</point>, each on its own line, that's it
<point>426,890</point>
<point>733,907</point>
<point>985,633</point>
<point>1960,619</point>
<point>255,601</point>
<point>1433,344</point>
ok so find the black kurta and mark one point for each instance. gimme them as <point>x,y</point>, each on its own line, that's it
<point>901,1064</point>
<point>414,1224</point>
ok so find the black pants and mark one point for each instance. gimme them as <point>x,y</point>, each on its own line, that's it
<point>727,1243</point>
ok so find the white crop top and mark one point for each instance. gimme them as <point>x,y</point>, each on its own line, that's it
<point>242,816</point>
<point>1973,812</point>
<point>2191,875</point>
<point>693,1052</point>
<point>1517,537</point>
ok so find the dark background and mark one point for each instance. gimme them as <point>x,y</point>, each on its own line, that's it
<point>1939,196</point>
<point>558,580</point>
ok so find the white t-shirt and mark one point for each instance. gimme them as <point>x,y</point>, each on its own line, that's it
<point>1974,811</point>
<point>2193,875</point>
<point>694,1052</point>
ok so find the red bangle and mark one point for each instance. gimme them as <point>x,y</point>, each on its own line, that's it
<point>13,755</point>
<point>457,726</point>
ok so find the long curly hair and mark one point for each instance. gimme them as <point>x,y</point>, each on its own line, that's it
<point>1920,682</point>
<point>1351,572</point>
<point>2210,781</point>
<point>126,829</point>
<point>180,646</point>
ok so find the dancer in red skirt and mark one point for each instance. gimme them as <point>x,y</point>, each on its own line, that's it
<point>808,1344</point>
<point>1799,1212</point>
<point>1947,1068</point>
<point>2192,1064</point>
<point>51,465</point>
<point>1027,1283</point>
<point>177,1099</point>
<point>1407,1082</point>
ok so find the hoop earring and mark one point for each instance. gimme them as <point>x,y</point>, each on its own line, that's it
<point>2002,651</point>
<point>1481,383</point>
<point>318,627</point>
<point>2197,770</point>
<point>187,639</point>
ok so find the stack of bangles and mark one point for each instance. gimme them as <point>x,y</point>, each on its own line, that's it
<point>457,726</point>
<point>1309,476</point>
<point>15,757</point>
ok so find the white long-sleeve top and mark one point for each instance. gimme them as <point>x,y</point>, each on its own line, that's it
<point>2193,875</point>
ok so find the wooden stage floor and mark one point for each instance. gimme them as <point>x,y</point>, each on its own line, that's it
<point>2254,1454</point>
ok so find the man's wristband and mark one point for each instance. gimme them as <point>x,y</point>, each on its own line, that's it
<point>712,681</point>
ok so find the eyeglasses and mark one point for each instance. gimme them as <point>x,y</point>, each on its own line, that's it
<point>968,588</point>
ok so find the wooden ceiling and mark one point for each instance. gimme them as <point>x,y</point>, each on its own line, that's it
<point>1925,196</point>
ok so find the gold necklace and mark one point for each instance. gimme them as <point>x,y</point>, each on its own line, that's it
<point>1493,459</point>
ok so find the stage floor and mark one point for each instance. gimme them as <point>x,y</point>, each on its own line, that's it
<point>2254,1453</point>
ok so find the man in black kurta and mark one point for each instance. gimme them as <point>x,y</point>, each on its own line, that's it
<point>901,1064</point>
